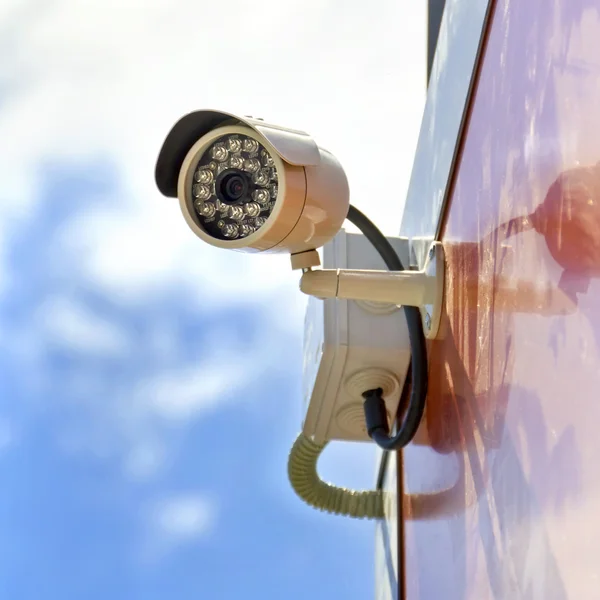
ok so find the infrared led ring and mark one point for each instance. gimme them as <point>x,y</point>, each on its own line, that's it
<point>234,186</point>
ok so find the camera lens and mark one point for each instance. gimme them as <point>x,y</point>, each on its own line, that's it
<point>232,185</point>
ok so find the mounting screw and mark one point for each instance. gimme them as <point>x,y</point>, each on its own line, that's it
<point>431,252</point>
<point>427,321</point>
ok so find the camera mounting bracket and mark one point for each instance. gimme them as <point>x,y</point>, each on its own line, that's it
<point>423,289</point>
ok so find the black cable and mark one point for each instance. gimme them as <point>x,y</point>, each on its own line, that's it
<point>374,406</point>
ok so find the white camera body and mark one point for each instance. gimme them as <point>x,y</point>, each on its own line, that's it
<point>351,346</point>
<point>307,187</point>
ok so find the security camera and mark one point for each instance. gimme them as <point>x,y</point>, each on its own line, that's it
<point>250,186</point>
<point>247,185</point>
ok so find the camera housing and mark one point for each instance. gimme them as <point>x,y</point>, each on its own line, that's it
<point>251,186</point>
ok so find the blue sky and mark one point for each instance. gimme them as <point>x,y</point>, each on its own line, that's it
<point>150,386</point>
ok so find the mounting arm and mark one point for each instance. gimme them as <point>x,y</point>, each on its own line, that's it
<point>422,289</point>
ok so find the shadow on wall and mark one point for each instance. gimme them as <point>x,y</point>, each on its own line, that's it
<point>569,221</point>
<point>471,392</point>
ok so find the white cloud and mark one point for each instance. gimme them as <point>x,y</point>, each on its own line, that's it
<point>7,434</point>
<point>134,417</point>
<point>191,391</point>
<point>183,517</point>
<point>144,459</point>
<point>228,374</point>
<point>72,325</point>
<point>92,78</point>
<point>175,520</point>
<point>130,255</point>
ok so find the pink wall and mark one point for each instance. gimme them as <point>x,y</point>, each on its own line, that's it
<point>510,487</point>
